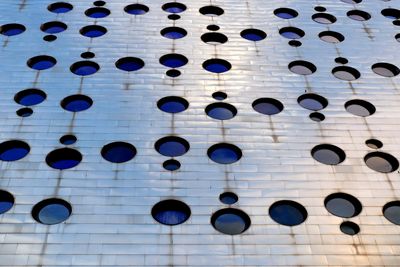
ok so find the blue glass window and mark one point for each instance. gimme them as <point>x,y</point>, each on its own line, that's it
<point>118,152</point>
<point>53,27</point>
<point>221,111</point>
<point>30,97</point>
<point>24,112</point>
<point>286,13</point>
<point>171,165</point>
<point>12,29</point>
<point>174,7</point>
<point>173,32</point>
<point>217,65</point>
<point>288,212</point>
<point>136,9</point>
<point>172,104</point>
<point>51,211</point>
<point>230,221</point>
<point>267,106</point>
<point>173,60</point>
<point>60,7</point>
<point>93,31</point>
<point>68,139</point>
<point>224,153</point>
<point>171,212</point>
<point>391,211</point>
<point>13,150</point>
<point>84,68</point>
<point>6,201</point>
<point>312,102</point>
<point>41,62</point>
<point>228,198</point>
<point>129,63</point>
<point>291,32</point>
<point>97,12</point>
<point>253,34</point>
<point>343,205</point>
<point>172,146</point>
<point>63,158</point>
<point>76,103</point>
<point>219,95</point>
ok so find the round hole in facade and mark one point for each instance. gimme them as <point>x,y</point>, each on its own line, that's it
<point>253,34</point>
<point>302,67</point>
<point>211,11</point>
<point>228,198</point>
<point>68,139</point>
<point>381,162</point>
<point>219,95</point>
<point>171,212</point>
<point>99,3</point>
<point>285,13</point>
<point>173,73</point>
<point>172,104</point>
<point>317,117</point>
<point>349,228</point>
<point>324,18</point>
<point>391,211</point>
<point>6,201</point>
<point>42,62</point>
<point>12,29</point>
<point>221,111</point>
<point>267,106</point>
<point>216,65</point>
<point>224,153</point>
<point>346,73</point>
<point>53,27</point>
<point>291,32</point>
<point>174,17</point>
<point>60,7</point>
<point>287,212</point>
<point>341,60</point>
<point>391,13</point>
<point>174,7</point>
<point>173,60</point>
<point>129,64</point>
<point>13,150</point>
<point>171,165</point>
<point>30,97</point>
<point>76,103</point>
<point>312,101</point>
<point>49,38</point>
<point>118,152</point>
<point>230,221</point>
<point>331,37</point>
<point>359,107</point>
<point>24,112</point>
<point>351,1</point>
<point>213,27</point>
<point>214,38</point>
<point>97,12</point>
<point>172,146</point>
<point>320,9</point>
<point>84,68</point>
<point>396,22</point>
<point>343,205</point>
<point>136,9</point>
<point>87,55</point>
<point>374,143</point>
<point>294,43</point>
<point>358,15</point>
<point>63,158</point>
<point>385,69</point>
<point>51,211</point>
<point>173,32</point>
<point>328,154</point>
<point>93,31</point>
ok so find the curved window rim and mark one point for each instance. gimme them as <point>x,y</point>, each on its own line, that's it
<point>358,207</point>
<point>386,156</point>
<point>107,147</point>
<point>319,98</point>
<point>339,152</point>
<point>389,205</point>
<point>26,92</point>
<point>230,210</point>
<point>165,203</point>
<point>172,138</point>
<point>48,201</point>
<point>293,203</point>
<point>6,195</point>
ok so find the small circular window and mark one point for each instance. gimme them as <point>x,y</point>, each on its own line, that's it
<point>63,158</point>
<point>211,11</point>
<point>171,212</point>
<point>42,62</point>
<point>172,165</point>
<point>60,7</point>
<point>53,27</point>
<point>13,150</point>
<point>118,152</point>
<point>346,73</point>
<point>51,211</point>
<point>328,154</point>
<point>302,67</point>
<point>219,95</point>
<point>93,31</point>
<point>224,153</point>
<point>172,146</point>
<point>30,97</point>
<point>343,205</point>
<point>76,103</point>
<point>374,143</point>
<point>6,201</point>
<point>385,69</point>
<point>136,9</point>
<point>217,65</point>
<point>381,162</point>
<point>391,211</point>
<point>324,18</point>
<point>173,32</point>
<point>84,68</point>
<point>291,33</point>
<point>358,15</point>
<point>12,29</point>
<point>359,107</point>
<point>129,64</point>
<point>285,13</point>
<point>267,106</point>
<point>172,104</point>
<point>331,37</point>
<point>68,139</point>
<point>312,102</point>
<point>228,198</point>
<point>24,112</point>
<point>174,7</point>
<point>221,111</point>
<point>97,12</point>
<point>230,221</point>
<point>287,212</point>
<point>173,60</point>
<point>253,35</point>
<point>349,228</point>
<point>316,116</point>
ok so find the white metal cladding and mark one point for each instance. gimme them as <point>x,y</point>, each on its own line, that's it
<point>111,224</point>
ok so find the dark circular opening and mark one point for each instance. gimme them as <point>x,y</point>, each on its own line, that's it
<point>351,1</point>
<point>172,104</point>
<point>228,198</point>
<point>30,97</point>
<point>343,205</point>
<point>328,154</point>
<point>374,143</point>
<point>211,11</point>
<point>213,27</point>
<point>174,7</point>
<point>97,12</point>
<point>381,162</point>
<point>230,221</point>
<point>173,32</point>
<point>129,64</point>
<point>174,17</point>
<point>302,67</point>
<point>253,34</point>
<point>60,7</point>
<point>172,146</point>
<point>331,37</point>
<point>221,111</point>
<point>320,9</point>
<point>63,158</point>
<point>76,103</point>
<point>359,107</point>
<point>84,68</point>
<point>24,112</point>
<point>391,211</point>
<point>217,65</point>
<point>13,150</point>
<point>267,106</point>
<point>53,27</point>
<point>291,32</point>
<point>341,60</point>
<point>49,38</point>
<point>171,165</point>
<point>214,38</point>
<point>323,18</point>
<point>6,201</point>
<point>312,102</point>
<point>349,228</point>
<point>396,22</point>
<point>171,212</point>
<point>391,13</point>
<point>285,13</point>
<point>219,95</point>
<point>99,3</point>
<point>173,73</point>
<point>68,139</point>
<point>118,152</point>
<point>87,55</point>
<point>358,15</point>
<point>224,153</point>
<point>385,69</point>
<point>294,43</point>
<point>287,212</point>
<point>346,73</point>
<point>173,60</point>
<point>51,211</point>
<point>93,31</point>
<point>42,62</point>
<point>136,9</point>
<point>316,116</point>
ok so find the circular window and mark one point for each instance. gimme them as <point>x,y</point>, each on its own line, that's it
<point>267,106</point>
<point>391,211</point>
<point>349,228</point>
<point>374,143</point>
<point>213,27</point>
<point>173,73</point>
<point>174,7</point>
<point>343,205</point>
<point>6,201</point>
<point>230,221</point>
<point>312,101</point>
<point>172,146</point>
<point>172,104</point>
<point>221,111</point>
<point>97,12</point>
<point>129,63</point>
<point>68,139</point>
<point>291,33</point>
<point>224,153</point>
<point>174,17</point>
<point>173,60</point>
<point>30,97</point>
<point>219,95</point>
<point>60,7</point>
<point>99,3</point>
<point>351,1</point>
<point>217,65</point>
<point>358,15</point>
<point>391,13</point>
<point>341,60</point>
<point>294,43</point>
<point>359,108</point>
<point>214,38</point>
<point>381,162</point>
<point>385,69</point>
<point>285,13</point>
<point>84,68</point>
<point>346,73</point>
<point>63,158</point>
<point>211,11</point>
<point>287,212</point>
<point>53,27</point>
<point>320,9</point>
<point>51,211</point>
<point>136,9</point>
<point>328,154</point>
<point>87,55</point>
<point>302,67</point>
<point>171,212</point>
<point>76,103</point>
<point>228,198</point>
<point>118,152</point>
<point>316,116</point>
<point>49,38</point>
<point>331,37</point>
<point>93,31</point>
<point>173,32</point>
<point>171,165</point>
<point>12,29</point>
<point>253,34</point>
<point>13,150</point>
<point>24,112</point>
<point>41,62</point>
<point>323,18</point>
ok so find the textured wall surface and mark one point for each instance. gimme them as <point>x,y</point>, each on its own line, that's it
<point>111,222</point>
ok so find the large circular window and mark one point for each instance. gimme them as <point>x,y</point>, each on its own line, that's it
<point>60,7</point>
<point>172,104</point>
<point>288,212</point>
<point>285,13</point>
<point>30,97</point>
<point>343,205</point>
<point>302,67</point>
<point>136,9</point>
<point>214,38</point>
<point>76,103</point>
<point>129,64</point>
<point>84,68</point>
<point>51,211</point>
<point>381,162</point>
<point>391,211</point>
<point>267,106</point>
<point>230,221</point>
<point>312,102</point>
<point>359,107</point>
<point>118,152</point>
<point>217,65</point>
<point>221,111</point>
<point>172,146</point>
<point>211,11</point>
<point>12,29</point>
<point>53,27</point>
<point>42,62</point>
<point>13,150</point>
<point>224,153</point>
<point>328,154</point>
<point>174,7</point>
<point>331,37</point>
<point>253,34</point>
<point>324,18</point>
<point>173,32</point>
<point>346,73</point>
<point>63,158</point>
<point>6,201</point>
<point>97,12</point>
<point>171,212</point>
<point>173,60</point>
<point>385,69</point>
<point>93,31</point>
